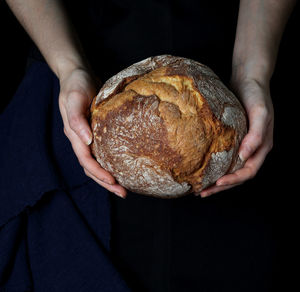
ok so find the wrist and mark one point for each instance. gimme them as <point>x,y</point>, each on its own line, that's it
<point>251,90</point>
<point>258,70</point>
<point>70,57</point>
<point>67,64</point>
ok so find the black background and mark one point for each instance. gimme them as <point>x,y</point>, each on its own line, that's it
<point>278,178</point>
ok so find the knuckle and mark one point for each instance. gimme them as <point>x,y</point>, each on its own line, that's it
<point>86,172</point>
<point>62,99</point>
<point>258,138</point>
<point>252,173</point>
<point>82,159</point>
<point>261,109</point>
<point>75,94</point>
<point>81,162</point>
<point>74,121</point>
<point>251,176</point>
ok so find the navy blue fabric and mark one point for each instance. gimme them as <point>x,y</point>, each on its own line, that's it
<point>54,220</point>
<point>55,227</point>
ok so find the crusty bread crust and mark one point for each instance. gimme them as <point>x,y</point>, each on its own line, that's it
<point>167,126</point>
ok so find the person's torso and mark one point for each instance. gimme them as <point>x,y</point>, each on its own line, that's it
<point>118,33</point>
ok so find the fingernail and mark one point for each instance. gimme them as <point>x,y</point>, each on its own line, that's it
<point>220,183</point>
<point>88,138</point>
<point>107,181</point>
<point>245,152</point>
<point>119,195</point>
<point>242,156</point>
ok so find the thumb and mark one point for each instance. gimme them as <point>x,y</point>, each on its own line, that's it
<point>257,130</point>
<point>77,111</point>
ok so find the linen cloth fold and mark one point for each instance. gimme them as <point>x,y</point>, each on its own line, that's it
<point>54,220</point>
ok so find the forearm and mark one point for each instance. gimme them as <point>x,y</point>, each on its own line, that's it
<point>49,27</point>
<point>259,30</point>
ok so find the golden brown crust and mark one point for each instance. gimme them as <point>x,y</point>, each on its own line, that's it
<point>160,134</point>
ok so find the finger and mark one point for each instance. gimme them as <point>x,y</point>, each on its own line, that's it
<point>215,189</point>
<point>83,153</point>
<point>86,160</point>
<point>257,131</point>
<point>249,170</point>
<point>77,110</point>
<point>117,189</point>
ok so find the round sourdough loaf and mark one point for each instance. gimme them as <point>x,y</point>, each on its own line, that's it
<point>167,126</point>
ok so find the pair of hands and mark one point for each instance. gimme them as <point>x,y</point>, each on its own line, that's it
<point>78,88</point>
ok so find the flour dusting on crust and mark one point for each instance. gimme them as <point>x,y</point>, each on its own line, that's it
<point>132,141</point>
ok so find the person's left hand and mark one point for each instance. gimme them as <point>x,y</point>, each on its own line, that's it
<point>259,140</point>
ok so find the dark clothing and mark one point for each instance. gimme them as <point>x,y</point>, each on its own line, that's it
<point>55,221</point>
<point>118,33</point>
<point>60,231</point>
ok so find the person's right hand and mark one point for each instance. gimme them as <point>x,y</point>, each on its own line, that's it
<point>77,89</point>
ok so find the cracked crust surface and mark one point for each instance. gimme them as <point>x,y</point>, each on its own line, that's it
<point>167,126</point>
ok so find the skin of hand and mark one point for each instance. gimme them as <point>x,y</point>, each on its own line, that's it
<point>258,141</point>
<point>259,30</point>
<point>77,90</point>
